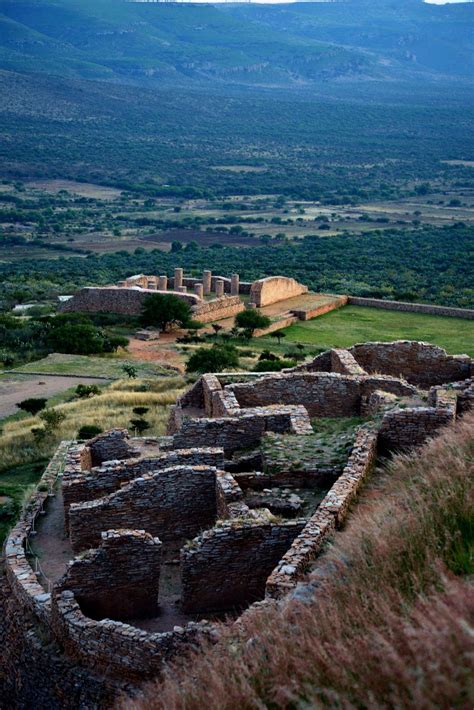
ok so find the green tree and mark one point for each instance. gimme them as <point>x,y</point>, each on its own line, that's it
<point>130,370</point>
<point>278,334</point>
<point>251,319</point>
<point>215,359</point>
<point>85,391</point>
<point>33,405</point>
<point>140,425</point>
<point>165,311</point>
<point>52,419</point>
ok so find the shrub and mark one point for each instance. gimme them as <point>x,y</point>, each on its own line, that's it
<point>33,405</point>
<point>273,365</point>
<point>84,391</point>
<point>52,419</point>
<point>88,431</point>
<point>215,359</point>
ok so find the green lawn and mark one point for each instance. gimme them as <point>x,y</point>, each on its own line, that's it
<point>357,324</point>
<point>84,365</point>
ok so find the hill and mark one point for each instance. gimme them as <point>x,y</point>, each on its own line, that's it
<point>290,45</point>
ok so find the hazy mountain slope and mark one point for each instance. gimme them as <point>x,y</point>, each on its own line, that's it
<point>128,41</point>
<point>286,45</point>
<point>420,37</point>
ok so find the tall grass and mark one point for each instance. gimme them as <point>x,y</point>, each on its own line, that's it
<point>112,408</point>
<point>383,621</point>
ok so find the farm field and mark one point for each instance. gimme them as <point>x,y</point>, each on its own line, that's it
<point>356,324</point>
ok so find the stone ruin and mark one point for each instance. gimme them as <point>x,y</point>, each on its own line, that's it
<point>159,537</point>
<point>211,297</point>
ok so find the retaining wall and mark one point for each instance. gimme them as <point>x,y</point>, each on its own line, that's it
<point>272,289</point>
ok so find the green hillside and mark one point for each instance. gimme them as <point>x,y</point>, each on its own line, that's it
<point>288,45</point>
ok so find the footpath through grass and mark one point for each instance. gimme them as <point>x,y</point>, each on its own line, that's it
<point>357,324</point>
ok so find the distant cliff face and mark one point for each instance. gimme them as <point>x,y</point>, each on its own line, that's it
<point>289,45</point>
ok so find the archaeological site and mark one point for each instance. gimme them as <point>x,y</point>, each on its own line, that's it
<point>131,549</point>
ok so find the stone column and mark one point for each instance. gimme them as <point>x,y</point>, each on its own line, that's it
<point>234,285</point>
<point>199,290</point>
<point>178,279</point>
<point>219,288</point>
<point>151,284</point>
<point>206,282</point>
<point>163,283</point>
<point>181,289</point>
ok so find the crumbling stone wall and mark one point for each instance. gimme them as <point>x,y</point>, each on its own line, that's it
<point>113,444</point>
<point>120,579</point>
<point>227,567</point>
<point>82,486</point>
<point>322,394</point>
<point>330,514</point>
<point>270,290</point>
<point>403,429</point>
<point>343,361</point>
<point>232,433</point>
<point>309,313</point>
<point>421,364</point>
<point>173,504</point>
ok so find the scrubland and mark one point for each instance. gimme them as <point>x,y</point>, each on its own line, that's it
<point>384,619</point>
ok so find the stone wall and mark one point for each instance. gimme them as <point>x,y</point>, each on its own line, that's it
<point>412,307</point>
<point>273,289</point>
<point>232,433</point>
<point>343,361</point>
<point>119,580</point>
<point>218,309</point>
<point>404,429</point>
<point>114,444</point>
<point>322,394</point>
<point>309,313</point>
<point>173,504</point>
<point>82,486</point>
<point>111,299</point>
<point>226,568</point>
<point>419,363</point>
<point>330,514</point>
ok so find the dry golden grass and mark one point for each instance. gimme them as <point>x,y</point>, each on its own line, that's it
<point>112,408</point>
<point>386,620</point>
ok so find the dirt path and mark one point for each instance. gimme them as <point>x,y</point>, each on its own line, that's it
<point>15,388</point>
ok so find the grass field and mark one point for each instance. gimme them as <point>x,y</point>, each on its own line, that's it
<point>356,324</point>
<point>14,486</point>
<point>86,366</point>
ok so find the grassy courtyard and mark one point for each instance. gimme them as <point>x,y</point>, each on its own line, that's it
<point>356,324</point>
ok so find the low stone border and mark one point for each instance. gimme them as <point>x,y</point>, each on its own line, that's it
<point>20,574</point>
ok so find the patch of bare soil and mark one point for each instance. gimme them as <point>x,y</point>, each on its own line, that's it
<point>15,388</point>
<point>159,351</point>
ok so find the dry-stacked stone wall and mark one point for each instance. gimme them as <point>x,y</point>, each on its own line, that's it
<point>322,394</point>
<point>227,567</point>
<point>421,364</point>
<point>233,433</point>
<point>111,299</point>
<point>218,308</point>
<point>403,429</point>
<point>113,445</point>
<point>330,514</point>
<point>81,486</point>
<point>273,289</point>
<point>119,580</point>
<point>173,504</point>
